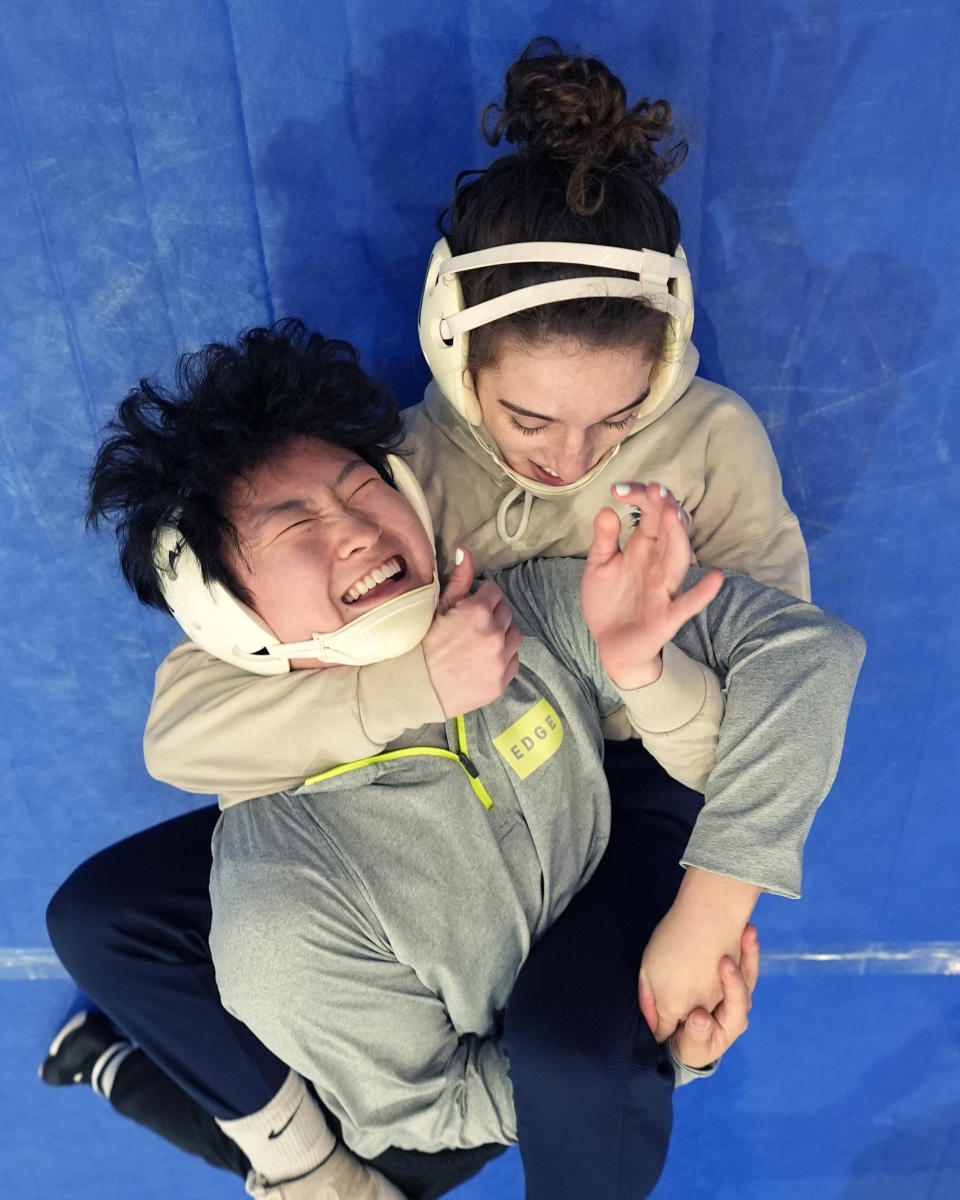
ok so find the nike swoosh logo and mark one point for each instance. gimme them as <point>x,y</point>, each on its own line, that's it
<point>286,1125</point>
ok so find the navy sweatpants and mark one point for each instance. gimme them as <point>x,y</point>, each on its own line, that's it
<point>592,1089</point>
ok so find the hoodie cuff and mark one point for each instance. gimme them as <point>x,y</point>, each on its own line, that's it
<point>682,1073</point>
<point>397,695</point>
<point>675,699</point>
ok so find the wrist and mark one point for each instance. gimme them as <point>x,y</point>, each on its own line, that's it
<point>629,677</point>
<point>718,899</point>
<point>397,694</point>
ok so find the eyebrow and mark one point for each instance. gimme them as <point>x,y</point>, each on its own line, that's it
<point>296,504</point>
<point>263,515</point>
<point>526,412</point>
<point>348,467</point>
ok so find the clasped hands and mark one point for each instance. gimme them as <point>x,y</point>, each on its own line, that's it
<point>675,970</point>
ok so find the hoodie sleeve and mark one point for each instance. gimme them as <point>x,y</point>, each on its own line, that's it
<point>678,717</point>
<point>789,671</point>
<point>739,517</point>
<point>214,728</point>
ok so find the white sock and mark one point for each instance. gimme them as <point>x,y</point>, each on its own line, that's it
<point>286,1138</point>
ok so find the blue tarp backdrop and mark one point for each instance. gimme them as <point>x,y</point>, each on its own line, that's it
<point>173,172</point>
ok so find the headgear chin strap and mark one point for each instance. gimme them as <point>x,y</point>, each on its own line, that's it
<point>224,626</point>
<point>662,280</point>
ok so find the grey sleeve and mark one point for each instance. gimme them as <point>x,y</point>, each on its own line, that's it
<point>682,1074</point>
<point>544,594</point>
<point>301,963</point>
<point>790,672</point>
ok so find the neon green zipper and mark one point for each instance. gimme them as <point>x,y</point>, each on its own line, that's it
<point>460,756</point>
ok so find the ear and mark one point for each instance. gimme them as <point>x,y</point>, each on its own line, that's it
<point>470,404</point>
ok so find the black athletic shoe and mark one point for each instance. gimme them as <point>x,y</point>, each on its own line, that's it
<point>76,1051</point>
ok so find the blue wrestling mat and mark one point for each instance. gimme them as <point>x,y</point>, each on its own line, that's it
<point>171,173</point>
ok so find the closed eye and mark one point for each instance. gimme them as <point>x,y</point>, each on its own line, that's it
<point>621,424</point>
<point>528,430</point>
<point>297,524</point>
<point>361,486</point>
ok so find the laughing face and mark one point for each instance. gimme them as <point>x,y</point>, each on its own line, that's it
<point>323,539</point>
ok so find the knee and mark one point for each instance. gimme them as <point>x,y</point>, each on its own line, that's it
<point>80,917</point>
<point>605,1040</point>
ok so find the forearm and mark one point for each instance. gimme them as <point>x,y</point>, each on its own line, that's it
<point>678,717</point>
<point>718,902</point>
<point>214,728</point>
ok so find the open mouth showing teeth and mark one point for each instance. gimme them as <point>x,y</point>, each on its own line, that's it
<point>393,568</point>
<point>547,471</point>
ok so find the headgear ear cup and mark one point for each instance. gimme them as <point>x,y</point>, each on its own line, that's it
<point>668,370</point>
<point>408,485</point>
<point>208,613</point>
<point>224,626</point>
<point>447,360</point>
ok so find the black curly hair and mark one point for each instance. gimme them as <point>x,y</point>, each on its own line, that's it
<point>170,456</point>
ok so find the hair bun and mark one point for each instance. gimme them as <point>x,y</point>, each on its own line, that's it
<point>574,110</point>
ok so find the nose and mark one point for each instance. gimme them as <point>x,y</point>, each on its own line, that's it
<point>574,457</point>
<point>355,532</point>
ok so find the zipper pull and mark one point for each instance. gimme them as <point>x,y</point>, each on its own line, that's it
<point>473,774</point>
<point>476,782</point>
<point>467,765</point>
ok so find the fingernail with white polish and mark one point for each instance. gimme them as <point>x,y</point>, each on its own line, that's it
<point>663,491</point>
<point>622,489</point>
<point>458,557</point>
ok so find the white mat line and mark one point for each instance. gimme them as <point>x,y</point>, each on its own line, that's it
<point>30,962</point>
<point>880,958</point>
<point>924,958</point>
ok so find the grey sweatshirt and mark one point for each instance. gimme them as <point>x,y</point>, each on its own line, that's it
<point>369,925</point>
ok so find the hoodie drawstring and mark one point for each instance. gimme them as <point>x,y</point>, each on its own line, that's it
<point>505,505</point>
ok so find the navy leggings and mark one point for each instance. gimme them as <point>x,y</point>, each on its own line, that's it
<point>592,1089</point>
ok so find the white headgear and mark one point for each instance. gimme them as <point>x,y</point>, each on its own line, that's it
<point>661,279</point>
<point>224,626</point>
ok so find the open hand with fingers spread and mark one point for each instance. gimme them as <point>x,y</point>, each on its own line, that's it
<point>631,598</point>
<point>704,1036</point>
<point>472,649</point>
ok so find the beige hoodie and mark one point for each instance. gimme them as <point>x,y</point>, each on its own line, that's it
<point>215,728</point>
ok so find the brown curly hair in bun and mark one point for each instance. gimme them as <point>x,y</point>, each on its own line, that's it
<point>587,168</point>
<point>574,110</point>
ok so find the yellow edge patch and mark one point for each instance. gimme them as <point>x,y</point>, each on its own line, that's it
<point>529,742</point>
